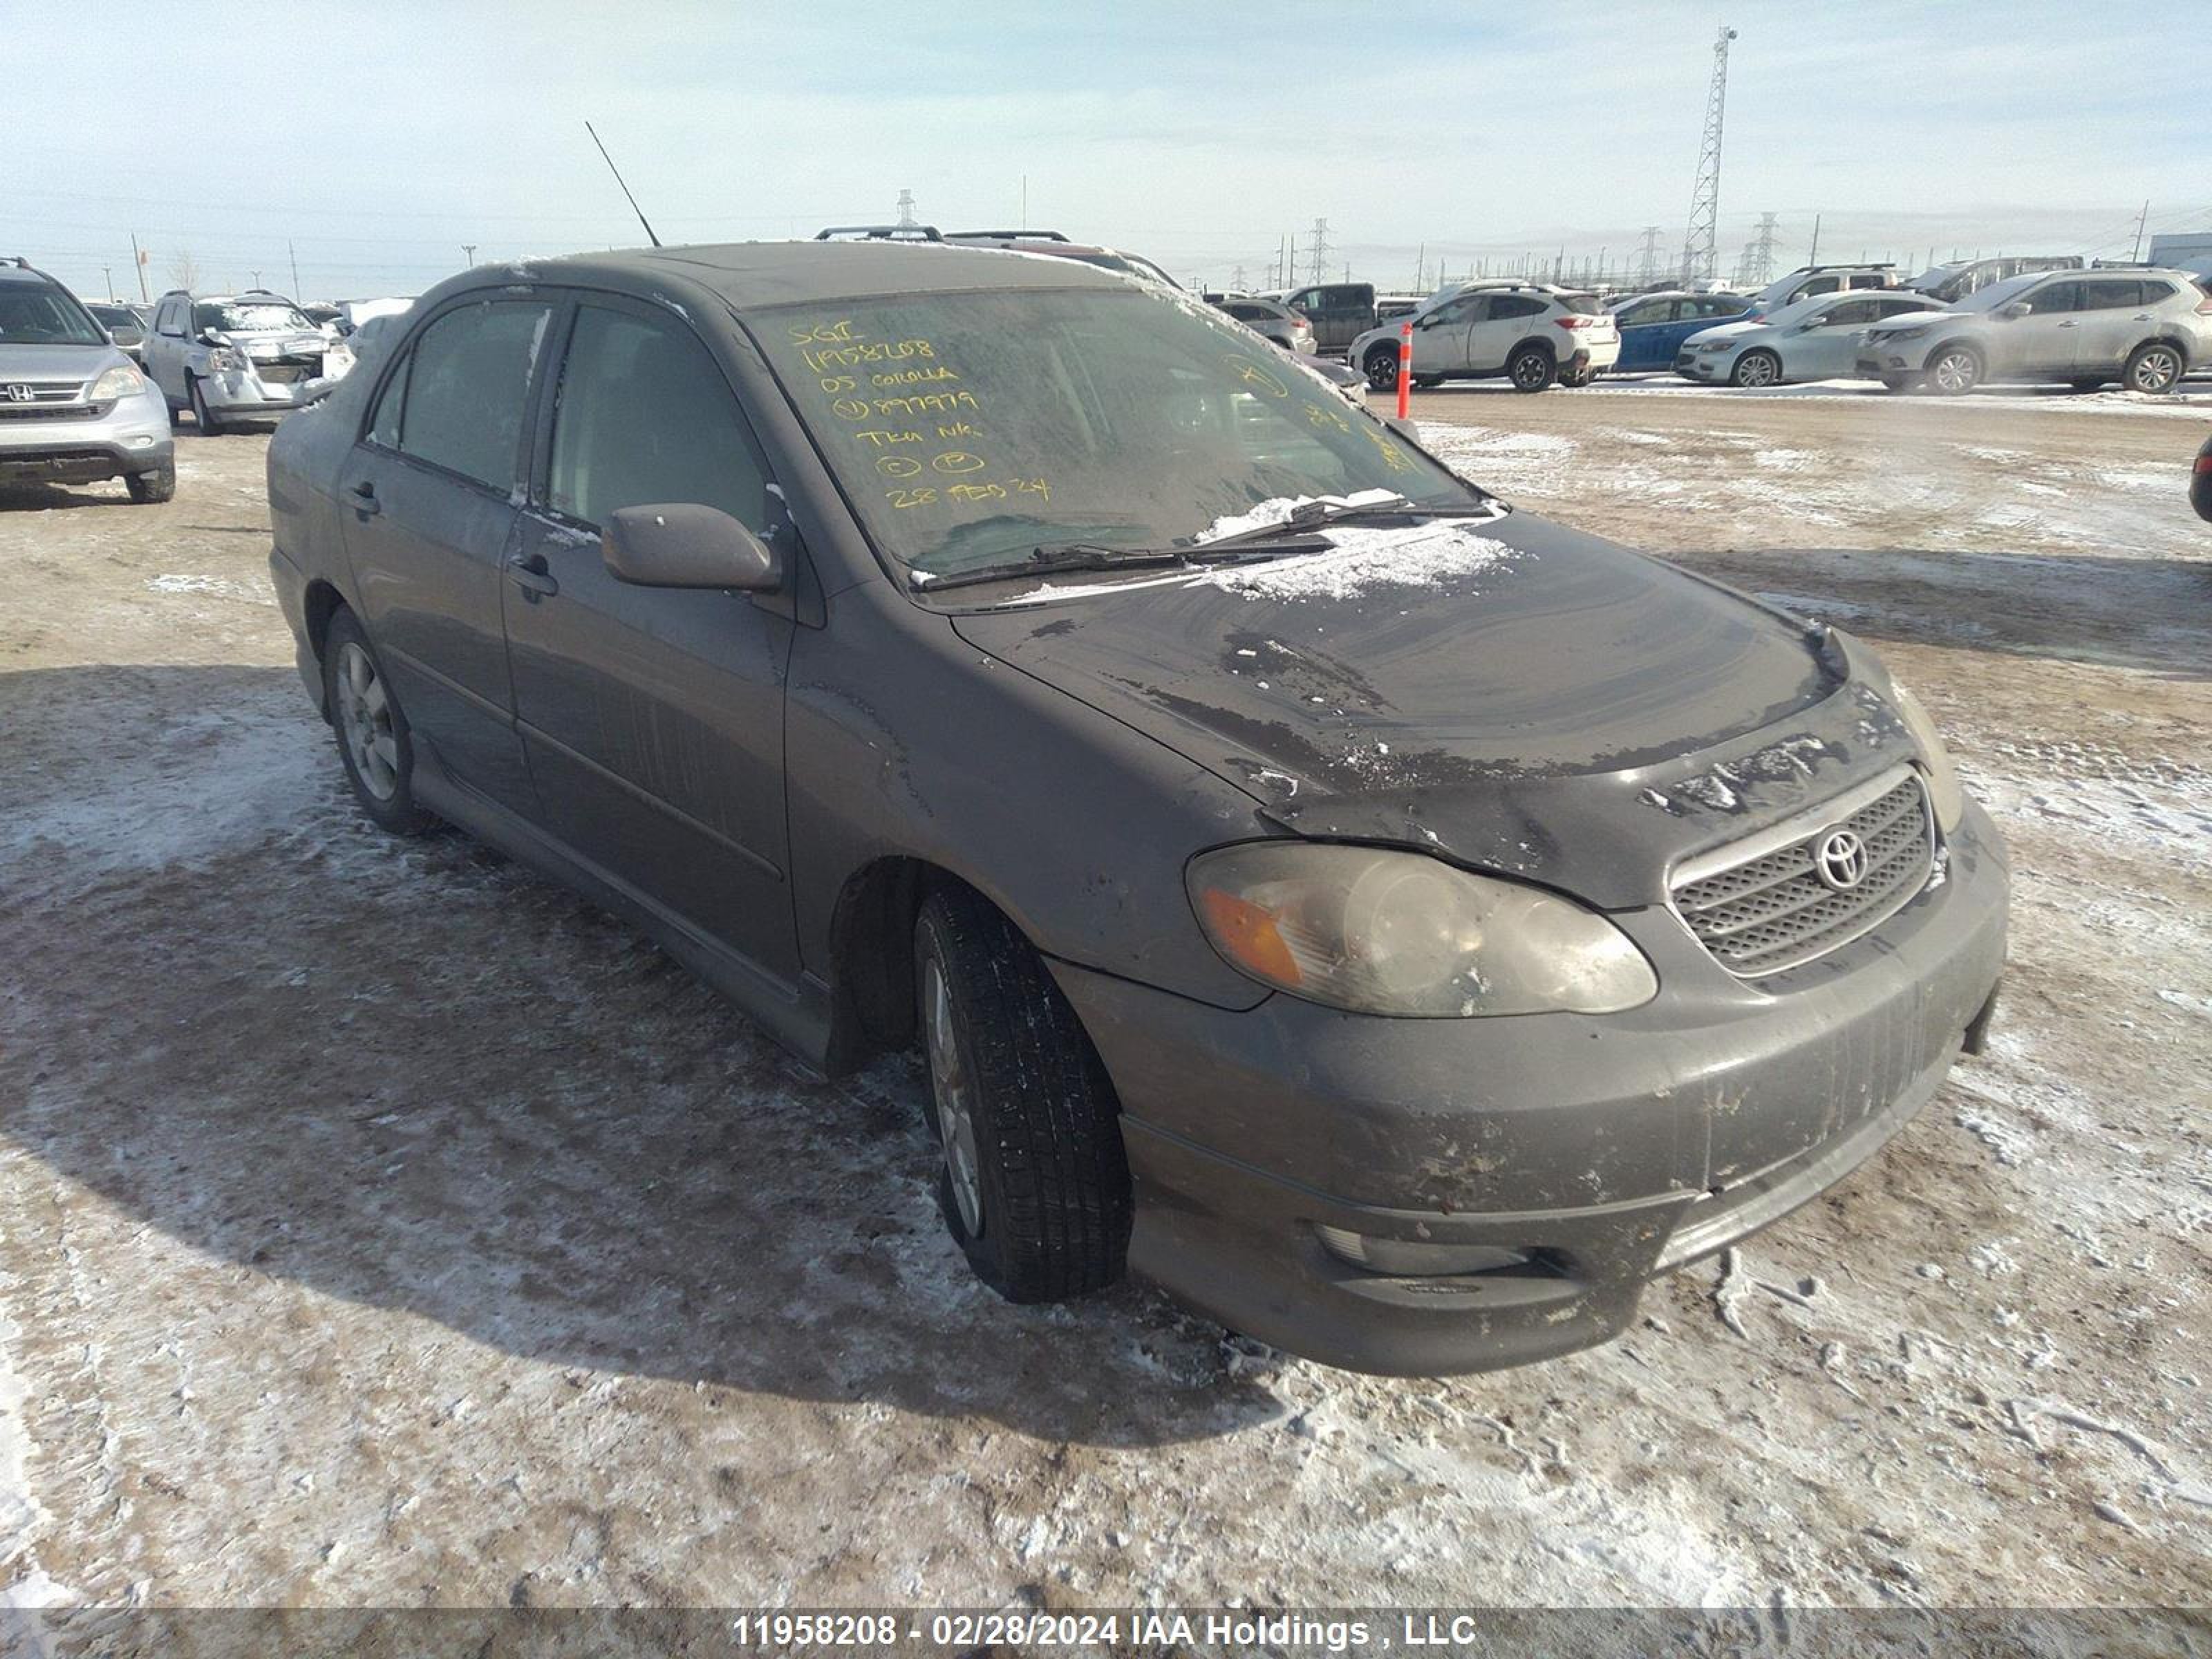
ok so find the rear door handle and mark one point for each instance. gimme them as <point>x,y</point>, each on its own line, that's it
<point>532,575</point>
<point>364,499</point>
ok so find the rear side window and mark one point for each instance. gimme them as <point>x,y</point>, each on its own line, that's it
<point>2154,290</point>
<point>2112,293</point>
<point>645,416</point>
<point>1246,314</point>
<point>457,401</point>
<point>1504,306</point>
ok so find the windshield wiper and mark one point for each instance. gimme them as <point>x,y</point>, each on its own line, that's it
<point>1058,556</point>
<point>1315,514</point>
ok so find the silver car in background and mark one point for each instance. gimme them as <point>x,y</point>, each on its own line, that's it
<point>2145,329</point>
<point>247,356</point>
<point>73,409</point>
<point>1814,339</point>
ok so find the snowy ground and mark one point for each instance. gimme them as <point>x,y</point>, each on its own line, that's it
<point>379,1224</point>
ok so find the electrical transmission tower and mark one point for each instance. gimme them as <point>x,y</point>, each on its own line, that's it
<point>1321,251</point>
<point>1756,269</point>
<point>907,221</point>
<point>1647,257</point>
<point>1699,258</point>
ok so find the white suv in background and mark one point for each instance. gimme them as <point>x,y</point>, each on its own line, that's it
<point>245,356</point>
<point>2145,329</point>
<point>1532,333</point>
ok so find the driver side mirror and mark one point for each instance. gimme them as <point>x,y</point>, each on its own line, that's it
<point>2016,310</point>
<point>685,544</point>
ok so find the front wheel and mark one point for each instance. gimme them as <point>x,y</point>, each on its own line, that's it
<point>374,742</point>
<point>2087,385</point>
<point>1532,368</point>
<point>1900,382</point>
<point>1032,1179</point>
<point>202,417</point>
<point>154,485</point>
<point>1756,369</point>
<point>1381,364</point>
<point>1955,370</point>
<point>2153,369</point>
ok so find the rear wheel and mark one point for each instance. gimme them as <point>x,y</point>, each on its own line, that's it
<point>154,485</point>
<point>202,416</point>
<point>1955,369</point>
<point>2153,367</point>
<point>373,740</point>
<point>1532,368</point>
<point>1756,369</point>
<point>2091,384</point>
<point>1033,1182</point>
<point>1381,366</point>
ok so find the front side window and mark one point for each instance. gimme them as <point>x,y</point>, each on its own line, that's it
<point>2054,297</point>
<point>1465,309</point>
<point>458,401</point>
<point>969,428</point>
<point>645,416</point>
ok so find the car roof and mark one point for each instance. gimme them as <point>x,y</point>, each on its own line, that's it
<point>26,275</point>
<point>757,275</point>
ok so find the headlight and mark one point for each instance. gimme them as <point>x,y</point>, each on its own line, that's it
<point>1714,345</point>
<point>1379,932</point>
<point>120,381</point>
<point>1890,336</point>
<point>224,360</point>
<point>1945,793</point>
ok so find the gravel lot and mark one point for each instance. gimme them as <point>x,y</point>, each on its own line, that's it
<point>381,1226</point>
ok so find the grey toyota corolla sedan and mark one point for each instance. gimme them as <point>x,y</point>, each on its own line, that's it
<point>1398,924</point>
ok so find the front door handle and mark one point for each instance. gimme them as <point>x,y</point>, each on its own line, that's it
<point>532,575</point>
<point>2066,324</point>
<point>364,499</point>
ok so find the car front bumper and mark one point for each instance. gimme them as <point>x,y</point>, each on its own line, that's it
<point>1705,366</point>
<point>131,437</point>
<point>241,392</point>
<point>1608,1149</point>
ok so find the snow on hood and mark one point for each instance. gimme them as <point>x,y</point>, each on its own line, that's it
<point>1727,331</point>
<point>1912,319</point>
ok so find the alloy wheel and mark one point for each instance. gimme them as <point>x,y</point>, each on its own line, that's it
<point>2155,370</point>
<point>1955,371</point>
<point>954,1095</point>
<point>1757,369</point>
<point>365,721</point>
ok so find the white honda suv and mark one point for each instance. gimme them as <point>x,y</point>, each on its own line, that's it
<point>1533,333</point>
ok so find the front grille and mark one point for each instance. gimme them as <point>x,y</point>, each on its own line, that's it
<point>287,370</point>
<point>1773,910</point>
<point>53,411</point>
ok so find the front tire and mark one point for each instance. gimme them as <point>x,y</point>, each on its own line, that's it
<point>1756,369</point>
<point>1900,382</point>
<point>374,742</point>
<point>1033,1183</point>
<point>202,417</point>
<point>153,486</point>
<point>1532,368</point>
<point>1379,365</point>
<point>2154,368</point>
<point>1954,370</point>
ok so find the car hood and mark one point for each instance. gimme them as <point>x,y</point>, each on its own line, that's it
<point>1910,319</point>
<point>1737,332</point>
<point>1514,694</point>
<point>283,343</point>
<point>57,362</point>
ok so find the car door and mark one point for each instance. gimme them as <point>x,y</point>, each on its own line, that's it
<point>1824,345</point>
<point>2042,342</point>
<point>653,718</point>
<point>1510,319</point>
<point>1440,336</point>
<point>2111,323</point>
<point>164,349</point>
<point>427,497</point>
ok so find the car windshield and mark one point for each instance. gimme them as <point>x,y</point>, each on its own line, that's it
<point>113,316</point>
<point>1999,294</point>
<point>45,316</point>
<point>967,430</point>
<point>1582,305</point>
<point>250,316</point>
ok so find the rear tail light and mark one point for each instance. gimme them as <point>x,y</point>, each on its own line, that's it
<point>2205,306</point>
<point>1575,322</point>
<point>2204,462</point>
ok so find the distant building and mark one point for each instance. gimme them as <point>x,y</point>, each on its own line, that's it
<point>2189,251</point>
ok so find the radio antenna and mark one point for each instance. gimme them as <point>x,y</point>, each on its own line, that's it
<point>617,171</point>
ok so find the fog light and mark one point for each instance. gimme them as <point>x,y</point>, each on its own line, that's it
<point>1413,1259</point>
<point>140,440</point>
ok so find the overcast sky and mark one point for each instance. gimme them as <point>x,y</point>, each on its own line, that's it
<point>378,138</point>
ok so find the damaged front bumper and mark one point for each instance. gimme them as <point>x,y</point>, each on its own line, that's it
<point>1579,1155</point>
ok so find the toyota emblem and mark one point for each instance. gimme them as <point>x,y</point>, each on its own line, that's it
<point>17,392</point>
<point>1841,863</point>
